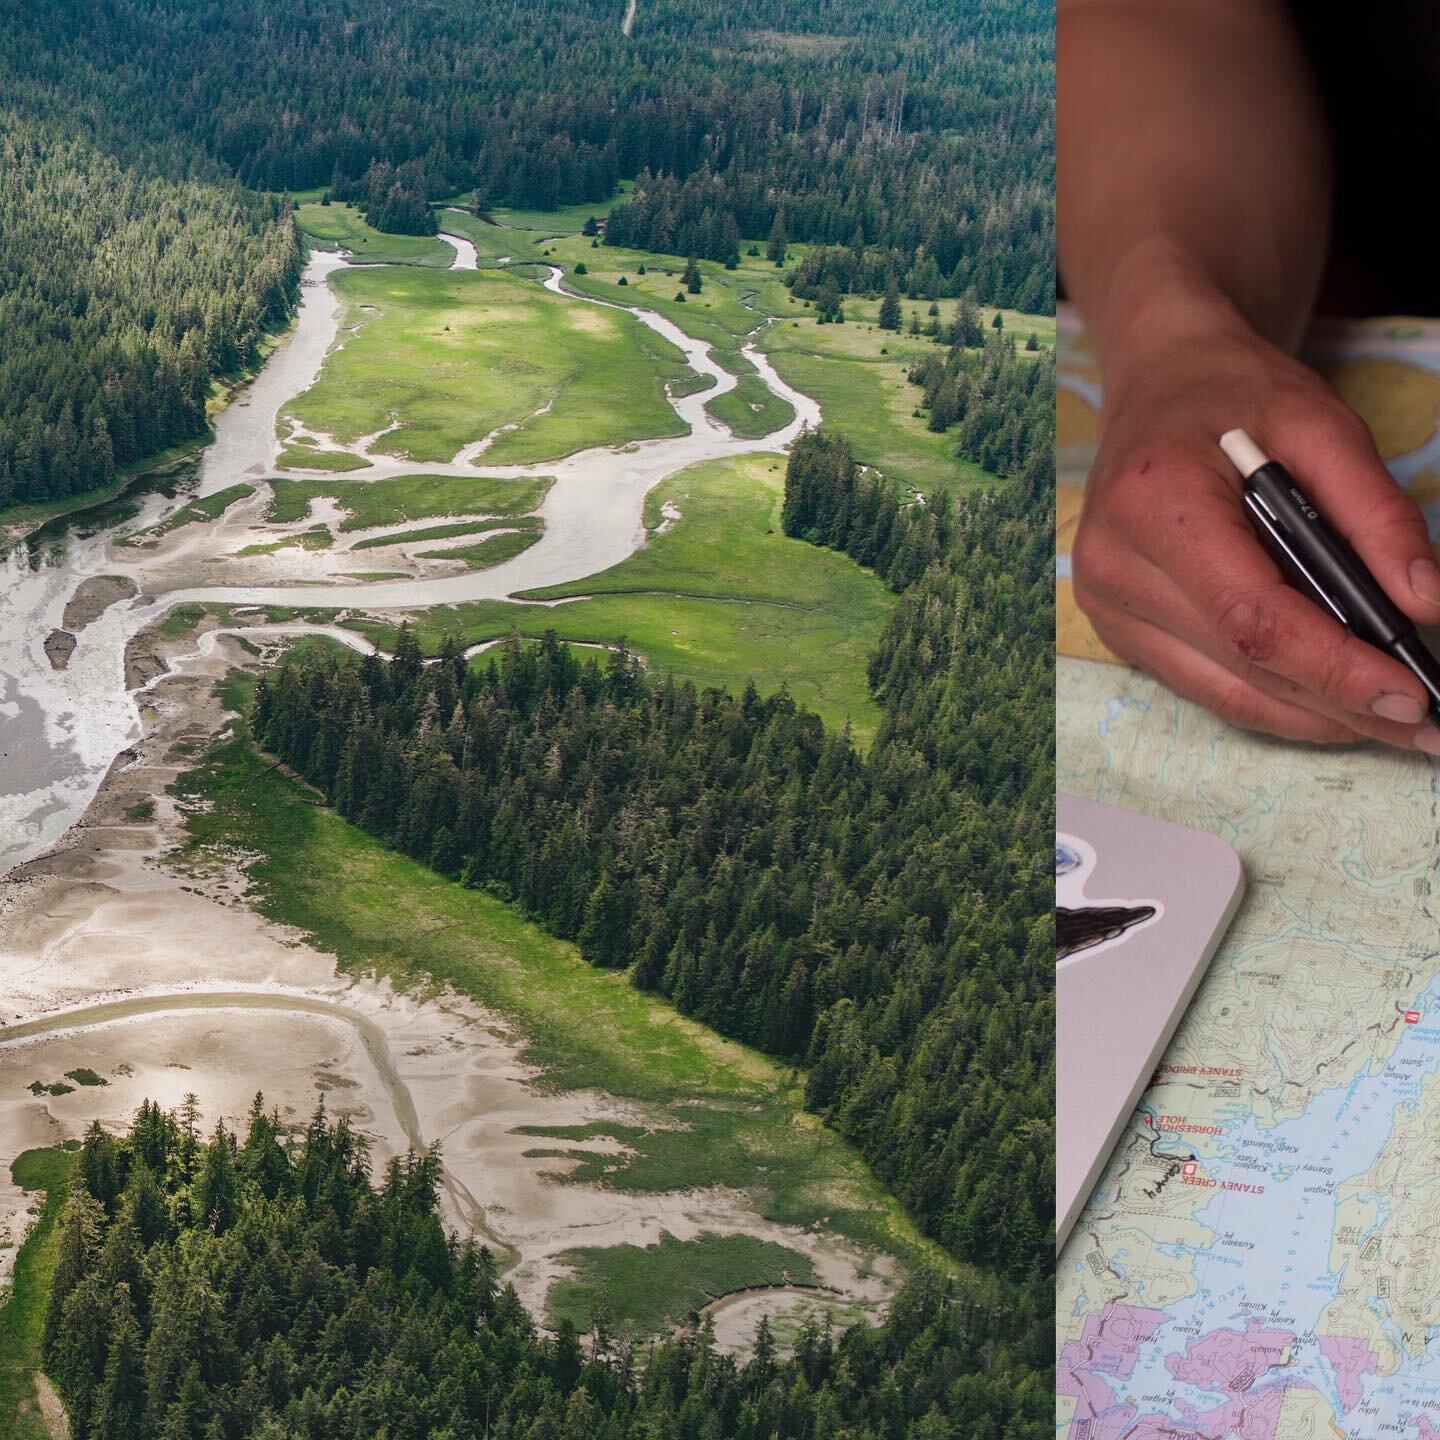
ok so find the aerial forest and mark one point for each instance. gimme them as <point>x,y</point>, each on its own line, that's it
<point>146,246</point>
<point>266,1286</point>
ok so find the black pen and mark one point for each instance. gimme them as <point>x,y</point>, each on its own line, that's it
<point>1320,564</point>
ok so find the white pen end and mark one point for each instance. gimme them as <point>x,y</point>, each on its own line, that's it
<point>1245,455</point>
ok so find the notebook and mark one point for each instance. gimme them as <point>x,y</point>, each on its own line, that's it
<point>1140,907</point>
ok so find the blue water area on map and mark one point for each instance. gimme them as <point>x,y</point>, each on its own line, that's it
<point>1115,707</point>
<point>1269,1259</point>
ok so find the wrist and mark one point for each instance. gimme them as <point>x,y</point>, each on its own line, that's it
<point>1158,301</point>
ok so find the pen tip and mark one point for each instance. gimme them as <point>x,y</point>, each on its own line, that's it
<point>1244,454</point>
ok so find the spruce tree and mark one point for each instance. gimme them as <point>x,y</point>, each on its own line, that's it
<point>775,249</point>
<point>890,307</point>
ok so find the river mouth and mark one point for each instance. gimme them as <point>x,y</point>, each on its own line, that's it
<point>98,965</point>
<point>68,725</point>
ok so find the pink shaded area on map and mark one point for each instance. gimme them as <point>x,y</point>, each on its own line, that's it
<point>1351,1358</point>
<point>1107,1348</point>
<point>1247,1417</point>
<point>1231,1359</point>
<point>1424,1430</point>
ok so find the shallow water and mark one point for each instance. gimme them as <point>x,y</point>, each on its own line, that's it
<point>61,730</point>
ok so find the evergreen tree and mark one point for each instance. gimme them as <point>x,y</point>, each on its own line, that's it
<point>775,248</point>
<point>890,307</point>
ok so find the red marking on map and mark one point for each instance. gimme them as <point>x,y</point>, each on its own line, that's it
<point>1231,1360</point>
<point>1107,1349</point>
<point>1188,1168</point>
<point>1350,1358</point>
<point>1424,1429</point>
<point>1412,1017</point>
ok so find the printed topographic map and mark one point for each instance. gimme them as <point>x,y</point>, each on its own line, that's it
<point>1261,1258</point>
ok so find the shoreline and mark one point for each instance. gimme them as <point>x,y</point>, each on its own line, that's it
<point>97,942</point>
<point>14,530</point>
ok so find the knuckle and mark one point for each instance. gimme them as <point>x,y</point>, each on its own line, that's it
<point>1393,511</point>
<point>1249,626</point>
<point>1332,669</point>
<point>1345,427</point>
<point>1096,562</point>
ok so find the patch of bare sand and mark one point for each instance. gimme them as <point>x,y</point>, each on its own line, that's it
<point>165,982</point>
<point>52,1411</point>
<point>93,597</point>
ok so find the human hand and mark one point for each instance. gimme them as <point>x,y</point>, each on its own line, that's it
<point>1174,580</point>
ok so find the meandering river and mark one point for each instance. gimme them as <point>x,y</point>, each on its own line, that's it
<point>60,730</point>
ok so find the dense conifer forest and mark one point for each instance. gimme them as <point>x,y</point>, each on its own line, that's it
<point>122,294</point>
<point>262,1287</point>
<point>916,139</point>
<point>883,918</point>
<point>919,126</point>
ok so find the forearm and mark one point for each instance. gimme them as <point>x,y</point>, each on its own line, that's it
<point>1193,181</point>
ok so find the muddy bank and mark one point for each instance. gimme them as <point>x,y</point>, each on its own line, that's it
<point>93,597</point>
<point>103,964</point>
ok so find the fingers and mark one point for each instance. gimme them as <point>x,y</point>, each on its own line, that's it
<point>1220,567</point>
<point>1128,626</point>
<point>1239,703</point>
<point>1336,455</point>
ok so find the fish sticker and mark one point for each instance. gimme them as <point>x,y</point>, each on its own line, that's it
<point>1083,923</point>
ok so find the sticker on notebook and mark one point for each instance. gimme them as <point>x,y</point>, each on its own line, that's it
<point>1086,923</point>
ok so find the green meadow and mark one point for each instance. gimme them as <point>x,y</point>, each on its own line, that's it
<point>306,457</point>
<point>485,553</point>
<point>856,370</point>
<point>723,1114</point>
<point>720,597</point>
<point>340,227</point>
<point>568,218</point>
<point>22,1306</point>
<point>405,497</point>
<point>454,355</point>
<point>751,409</point>
<point>657,1287</point>
<point>446,532</point>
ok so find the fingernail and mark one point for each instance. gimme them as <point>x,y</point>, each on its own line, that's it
<point>1428,740</point>
<point>1403,709</point>
<point>1425,580</point>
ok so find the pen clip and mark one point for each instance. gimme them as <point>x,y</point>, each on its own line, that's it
<point>1268,528</point>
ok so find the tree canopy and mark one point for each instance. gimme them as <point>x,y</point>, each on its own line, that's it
<point>259,1285</point>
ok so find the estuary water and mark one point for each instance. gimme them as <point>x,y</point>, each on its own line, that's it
<point>61,730</point>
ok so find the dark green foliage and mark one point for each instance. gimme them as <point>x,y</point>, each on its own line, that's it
<point>691,277</point>
<point>392,198</point>
<point>1003,407</point>
<point>331,1308</point>
<point>775,246</point>
<point>965,670</point>
<point>915,126</point>
<point>889,318</point>
<point>121,295</point>
<point>883,918</point>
